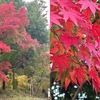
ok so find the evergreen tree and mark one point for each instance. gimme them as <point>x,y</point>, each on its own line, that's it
<point>38,22</point>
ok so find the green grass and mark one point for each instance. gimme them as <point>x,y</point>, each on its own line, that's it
<point>17,95</point>
<point>17,98</point>
<point>22,98</point>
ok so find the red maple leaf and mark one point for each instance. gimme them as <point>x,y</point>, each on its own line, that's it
<point>65,3</point>
<point>54,19</point>
<point>60,61</point>
<point>96,30</point>
<point>69,26</point>
<point>95,80</point>
<point>87,13</point>
<point>67,82</point>
<point>57,48</point>
<point>92,48</point>
<point>68,41</point>
<point>72,15</point>
<point>52,2</point>
<point>78,76</point>
<point>89,4</point>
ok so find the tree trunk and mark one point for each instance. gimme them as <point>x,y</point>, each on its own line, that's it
<point>31,86</point>
<point>3,85</point>
<point>13,79</point>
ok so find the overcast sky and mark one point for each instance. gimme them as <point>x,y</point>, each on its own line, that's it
<point>48,8</point>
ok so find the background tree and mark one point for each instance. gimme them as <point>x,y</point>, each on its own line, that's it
<point>38,21</point>
<point>17,3</point>
<point>37,68</point>
<point>12,27</point>
<point>37,17</point>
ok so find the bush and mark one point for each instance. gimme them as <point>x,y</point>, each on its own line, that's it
<point>23,82</point>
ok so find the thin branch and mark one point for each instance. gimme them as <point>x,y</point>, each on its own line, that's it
<point>77,59</point>
<point>76,93</point>
<point>74,61</point>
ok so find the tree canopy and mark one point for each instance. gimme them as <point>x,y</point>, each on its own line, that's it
<point>75,42</point>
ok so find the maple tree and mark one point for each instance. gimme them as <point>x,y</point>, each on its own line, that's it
<point>12,33</point>
<point>75,42</point>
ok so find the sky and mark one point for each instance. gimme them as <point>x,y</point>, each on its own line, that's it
<point>47,9</point>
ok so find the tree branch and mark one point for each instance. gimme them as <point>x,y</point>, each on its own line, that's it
<point>76,93</point>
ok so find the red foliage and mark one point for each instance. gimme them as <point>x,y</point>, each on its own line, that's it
<point>12,26</point>
<point>13,23</point>
<point>4,47</point>
<point>89,4</point>
<point>60,61</point>
<point>25,41</point>
<point>75,41</point>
